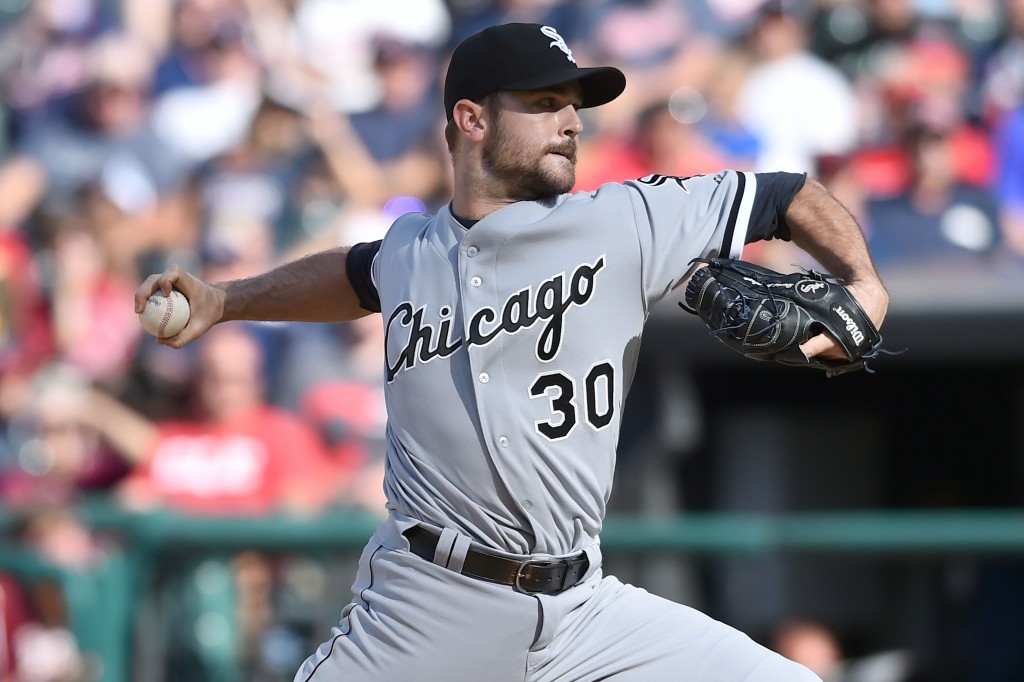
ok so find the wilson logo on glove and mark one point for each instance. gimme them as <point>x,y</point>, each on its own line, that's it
<point>851,326</point>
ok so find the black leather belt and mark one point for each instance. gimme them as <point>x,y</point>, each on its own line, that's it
<point>532,576</point>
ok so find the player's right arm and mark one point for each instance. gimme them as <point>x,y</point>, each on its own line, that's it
<point>315,288</point>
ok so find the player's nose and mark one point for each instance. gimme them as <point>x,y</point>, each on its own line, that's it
<point>572,124</point>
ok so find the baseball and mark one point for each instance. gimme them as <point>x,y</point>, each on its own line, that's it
<point>165,316</point>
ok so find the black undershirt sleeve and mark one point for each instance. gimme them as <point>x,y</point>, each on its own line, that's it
<point>357,266</point>
<point>775,191</point>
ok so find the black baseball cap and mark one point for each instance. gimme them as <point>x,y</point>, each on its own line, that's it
<point>523,57</point>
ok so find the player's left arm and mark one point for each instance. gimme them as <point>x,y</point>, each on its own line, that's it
<point>823,227</point>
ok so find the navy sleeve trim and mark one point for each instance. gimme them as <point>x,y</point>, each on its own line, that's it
<point>775,191</point>
<point>358,264</point>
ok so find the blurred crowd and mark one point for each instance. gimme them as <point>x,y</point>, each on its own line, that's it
<point>228,136</point>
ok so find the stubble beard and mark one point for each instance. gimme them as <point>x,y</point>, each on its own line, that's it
<point>524,176</point>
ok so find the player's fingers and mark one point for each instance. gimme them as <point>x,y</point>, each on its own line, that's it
<point>145,290</point>
<point>172,278</point>
<point>824,346</point>
<point>206,308</point>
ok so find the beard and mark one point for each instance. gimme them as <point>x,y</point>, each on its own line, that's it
<point>524,175</point>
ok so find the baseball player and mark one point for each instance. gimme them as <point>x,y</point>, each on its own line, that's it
<point>513,319</point>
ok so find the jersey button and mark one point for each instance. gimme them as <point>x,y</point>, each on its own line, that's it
<point>476,281</point>
<point>503,442</point>
<point>484,377</point>
<point>472,251</point>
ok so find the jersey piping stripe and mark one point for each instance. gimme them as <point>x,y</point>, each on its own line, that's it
<point>739,216</point>
<point>739,237</point>
<point>369,565</point>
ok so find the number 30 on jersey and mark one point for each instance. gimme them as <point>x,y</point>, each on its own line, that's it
<point>598,400</point>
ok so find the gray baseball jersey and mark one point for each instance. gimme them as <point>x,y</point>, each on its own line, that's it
<point>511,346</point>
<point>510,349</point>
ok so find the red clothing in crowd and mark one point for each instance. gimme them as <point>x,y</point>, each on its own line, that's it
<point>245,466</point>
<point>15,612</point>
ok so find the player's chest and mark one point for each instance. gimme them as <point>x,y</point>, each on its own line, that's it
<point>473,301</point>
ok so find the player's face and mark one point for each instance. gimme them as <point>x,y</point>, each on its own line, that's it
<point>531,146</point>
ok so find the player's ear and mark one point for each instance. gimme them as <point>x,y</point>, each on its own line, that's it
<point>469,118</point>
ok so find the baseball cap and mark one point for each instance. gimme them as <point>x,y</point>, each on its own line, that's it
<point>523,57</point>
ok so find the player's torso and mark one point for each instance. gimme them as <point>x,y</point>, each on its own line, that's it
<point>509,350</point>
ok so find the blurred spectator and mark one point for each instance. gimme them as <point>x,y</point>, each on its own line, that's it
<point>35,643</point>
<point>656,43</point>
<point>15,614</point>
<point>352,167</point>
<point>798,106</point>
<point>608,158</point>
<point>26,339</point>
<point>865,36</point>
<point>667,140</point>
<point>256,182</point>
<point>317,49</point>
<point>58,462</point>
<point>818,648</point>
<point>188,34</point>
<point>236,455</point>
<point>213,111</point>
<point>92,330</point>
<point>927,86</point>
<point>811,644</point>
<point>402,133</point>
<point>691,130</point>
<point>671,141</point>
<point>105,141</point>
<point>57,458</point>
<point>332,375</point>
<point>939,221</point>
<point>44,55</point>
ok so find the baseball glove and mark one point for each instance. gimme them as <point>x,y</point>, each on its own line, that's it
<point>766,315</point>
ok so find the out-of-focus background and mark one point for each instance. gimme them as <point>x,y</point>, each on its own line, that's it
<point>196,515</point>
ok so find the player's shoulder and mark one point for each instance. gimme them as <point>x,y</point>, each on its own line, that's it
<point>683,183</point>
<point>408,227</point>
<point>659,188</point>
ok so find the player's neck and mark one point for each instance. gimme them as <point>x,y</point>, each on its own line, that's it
<point>474,205</point>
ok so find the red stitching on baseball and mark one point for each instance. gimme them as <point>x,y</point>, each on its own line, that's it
<point>168,311</point>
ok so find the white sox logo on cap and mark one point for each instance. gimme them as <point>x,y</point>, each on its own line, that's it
<point>558,41</point>
<point>522,57</point>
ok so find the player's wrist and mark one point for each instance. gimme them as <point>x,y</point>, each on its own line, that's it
<point>224,302</point>
<point>872,296</point>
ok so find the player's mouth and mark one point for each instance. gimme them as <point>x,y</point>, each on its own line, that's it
<point>566,151</point>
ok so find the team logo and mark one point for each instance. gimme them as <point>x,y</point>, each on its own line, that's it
<point>410,339</point>
<point>656,180</point>
<point>558,41</point>
<point>812,289</point>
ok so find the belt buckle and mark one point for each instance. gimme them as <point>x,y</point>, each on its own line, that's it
<point>523,567</point>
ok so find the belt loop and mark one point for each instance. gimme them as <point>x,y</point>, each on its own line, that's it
<point>459,552</point>
<point>444,547</point>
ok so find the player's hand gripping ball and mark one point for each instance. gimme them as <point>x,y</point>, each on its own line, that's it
<point>165,316</point>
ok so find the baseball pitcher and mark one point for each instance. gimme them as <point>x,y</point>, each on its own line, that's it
<point>513,319</point>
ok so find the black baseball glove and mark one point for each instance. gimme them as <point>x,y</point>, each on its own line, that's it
<point>766,315</point>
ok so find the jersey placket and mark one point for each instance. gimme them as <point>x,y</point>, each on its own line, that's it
<point>495,398</point>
